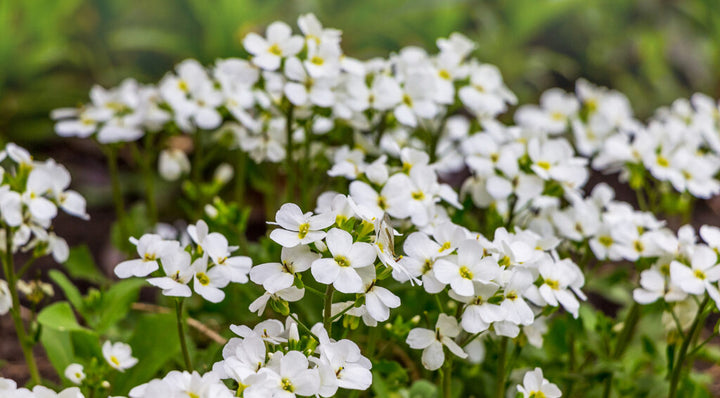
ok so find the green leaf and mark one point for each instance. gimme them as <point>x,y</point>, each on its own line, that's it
<point>154,343</point>
<point>58,347</point>
<point>81,265</point>
<point>116,302</point>
<point>59,316</point>
<point>72,294</point>
<point>423,389</point>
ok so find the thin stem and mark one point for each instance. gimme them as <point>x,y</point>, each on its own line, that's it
<point>25,267</point>
<point>628,329</point>
<point>642,202</point>
<point>25,343</point>
<point>694,330</point>
<point>303,326</point>
<point>289,163</point>
<point>144,159</point>
<point>571,359</point>
<point>181,334</point>
<point>500,375</point>
<point>701,345</point>
<point>240,174</point>
<point>470,339</point>
<point>196,172</point>
<point>327,313</point>
<point>447,380</point>
<point>112,159</point>
<point>314,291</point>
<point>341,313</point>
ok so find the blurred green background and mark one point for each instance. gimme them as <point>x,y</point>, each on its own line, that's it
<point>52,51</point>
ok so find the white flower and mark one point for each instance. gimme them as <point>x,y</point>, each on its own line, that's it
<point>172,163</point>
<point>75,373</point>
<point>299,228</point>
<point>235,268</point>
<point>268,52</point>
<point>701,276</point>
<point>178,271</point>
<point>460,271</point>
<point>289,373</point>
<point>118,355</point>
<point>432,341</point>
<point>340,270</point>
<point>150,247</point>
<point>535,386</point>
<point>208,283</point>
<point>5,298</point>
<point>278,276</point>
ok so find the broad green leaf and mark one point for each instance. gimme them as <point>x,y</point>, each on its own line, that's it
<point>58,347</point>
<point>423,389</point>
<point>116,302</point>
<point>154,343</point>
<point>72,294</point>
<point>59,316</point>
<point>81,265</point>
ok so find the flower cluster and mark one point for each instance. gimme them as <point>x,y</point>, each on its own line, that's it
<point>274,360</point>
<point>206,260</point>
<point>30,194</point>
<point>8,388</point>
<point>285,86</point>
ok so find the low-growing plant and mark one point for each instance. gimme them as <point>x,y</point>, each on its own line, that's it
<point>421,244</point>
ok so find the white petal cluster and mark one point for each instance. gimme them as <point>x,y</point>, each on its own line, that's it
<point>684,269</point>
<point>274,360</point>
<point>207,261</point>
<point>291,78</point>
<point>183,384</point>
<point>8,389</point>
<point>536,385</point>
<point>30,194</point>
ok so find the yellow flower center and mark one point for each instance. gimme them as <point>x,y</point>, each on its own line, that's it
<point>444,246</point>
<point>286,385</point>
<point>275,50</point>
<point>465,272</point>
<point>554,285</point>
<point>342,261</point>
<point>407,100</point>
<point>418,195</point>
<point>114,360</point>
<point>317,60</point>
<point>303,230</point>
<point>662,161</point>
<point>203,278</point>
<point>444,74</point>
<point>699,274</point>
<point>605,240</point>
<point>543,164</point>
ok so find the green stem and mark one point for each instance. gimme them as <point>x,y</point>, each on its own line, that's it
<point>144,159</point>
<point>303,326</point>
<point>240,174</point>
<point>500,375</point>
<point>196,172</point>
<point>642,202</point>
<point>341,313</point>
<point>181,334</point>
<point>694,330</point>
<point>447,379</point>
<point>289,163</point>
<point>627,331</point>
<point>112,159</point>
<point>631,321</point>
<point>25,343</point>
<point>571,359</point>
<point>327,313</point>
